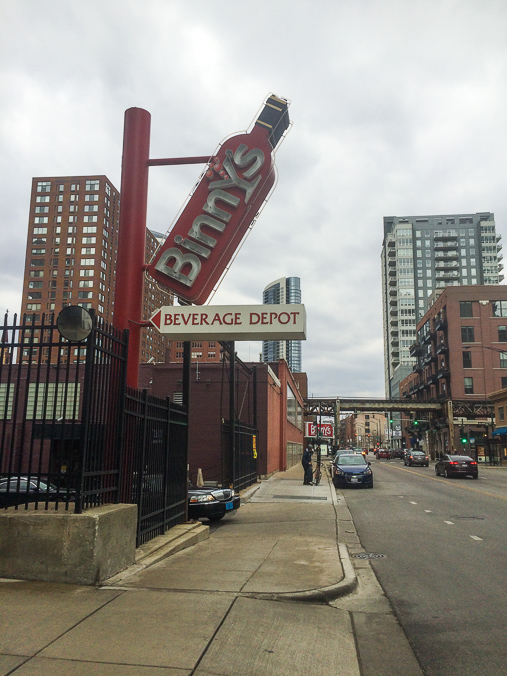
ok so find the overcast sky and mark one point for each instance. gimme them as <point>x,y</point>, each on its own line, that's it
<point>398,108</point>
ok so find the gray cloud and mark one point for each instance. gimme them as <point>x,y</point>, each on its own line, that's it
<point>398,108</point>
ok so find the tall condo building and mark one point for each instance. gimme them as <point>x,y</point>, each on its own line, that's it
<point>420,255</point>
<point>280,292</point>
<point>71,254</point>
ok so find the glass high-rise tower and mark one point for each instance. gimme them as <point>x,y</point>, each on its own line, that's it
<point>421,254</point>
<point>283,291</point>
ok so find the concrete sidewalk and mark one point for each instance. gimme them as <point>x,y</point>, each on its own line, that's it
<point>272,591</point>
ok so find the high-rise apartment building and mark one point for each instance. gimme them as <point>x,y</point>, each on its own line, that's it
<point>71,254</point>
<point>421,254</point>
<point>283,291</point>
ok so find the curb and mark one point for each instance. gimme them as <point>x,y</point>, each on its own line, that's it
<point>177,538</point>
<point>322,595</point>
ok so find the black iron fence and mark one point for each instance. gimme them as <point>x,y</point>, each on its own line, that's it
<point>73,436</point>
<point>61,405</point>
<point>240,464</point>
<point>155,441</point>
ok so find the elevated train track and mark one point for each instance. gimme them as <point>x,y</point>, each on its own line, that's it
<point>458,408</point>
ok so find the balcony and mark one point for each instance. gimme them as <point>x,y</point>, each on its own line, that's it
<point>392,280</point>
<point>445,236</point>
<point>393,301</point>
<point>415,350</point>
<point>445,246</point>
<point>446,264</point>
<point>440,324</point>
<point>442,348</point>
<point>443,373</point>
<point>446,255</point>
<point>428,337</point>
<point>433,379</point>
<point>428,359</point>
<point>447,274</point>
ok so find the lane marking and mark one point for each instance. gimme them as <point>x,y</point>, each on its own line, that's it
<point>475,537</point>
<point>413,503</point>
<point>448,483</point>
<point>451,523</point>
<point>428,511</point>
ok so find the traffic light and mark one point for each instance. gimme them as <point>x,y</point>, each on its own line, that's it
<point>391,421</point>
<point>463,435</point>
<point>416,422</point>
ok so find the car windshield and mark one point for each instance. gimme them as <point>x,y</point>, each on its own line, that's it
<point>416,453</point>
<point>348,460</point>
<point>459,457</point>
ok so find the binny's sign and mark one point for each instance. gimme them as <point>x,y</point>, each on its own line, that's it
<point>237,181</point>
<point>232,322</point>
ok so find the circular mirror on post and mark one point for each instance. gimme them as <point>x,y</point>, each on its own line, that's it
<point>74,323</point>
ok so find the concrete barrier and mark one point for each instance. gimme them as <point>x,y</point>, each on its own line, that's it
<point>60,546</point>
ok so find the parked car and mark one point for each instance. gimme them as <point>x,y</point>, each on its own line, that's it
<point>18,490</point>
<point>352,470</point>
<point>397,453</point>
<point>416,458</point>
<point>211,503</point>
<point>383,453</point>
<point>456,465</point>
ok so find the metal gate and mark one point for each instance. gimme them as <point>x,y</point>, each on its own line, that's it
<point>155,442</point>
<point>239,463</point>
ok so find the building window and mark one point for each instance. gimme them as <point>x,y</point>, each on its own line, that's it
<point>211,355</point>
<point>467,334</point>
<point>502,334</point>
<point>467,360</point>
<point>503,360</point>
<point>500,308</point>
<point>465,308</point>
<point>501,415</point>
<point>92,185</point>
<point>469,385</point>
<point>504,382</point>
<point>43,186</point>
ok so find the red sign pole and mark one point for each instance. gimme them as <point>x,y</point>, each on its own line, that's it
<point>128,305</point>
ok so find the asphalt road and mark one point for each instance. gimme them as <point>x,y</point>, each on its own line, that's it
<point>445,564</point>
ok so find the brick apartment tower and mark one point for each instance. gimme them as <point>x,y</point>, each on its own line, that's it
<point>71,254</point>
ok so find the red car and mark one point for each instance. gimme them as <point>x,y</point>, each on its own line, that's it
<point>383,453</point>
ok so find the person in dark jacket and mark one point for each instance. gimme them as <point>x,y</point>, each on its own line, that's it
<point>306,461</point>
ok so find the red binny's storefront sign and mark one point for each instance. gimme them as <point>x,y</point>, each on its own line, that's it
<point>233,189</point>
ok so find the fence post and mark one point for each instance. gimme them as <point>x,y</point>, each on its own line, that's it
<point>120,455</point>
<point>86,413</point>
<point>141,465</point>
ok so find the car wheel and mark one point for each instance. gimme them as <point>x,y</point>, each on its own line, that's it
<point>475,476</point>
<point>216,517</point>
<point>370,485</point>
<point>427,464</point>
<point>447,474</point>
<point>437,471</point>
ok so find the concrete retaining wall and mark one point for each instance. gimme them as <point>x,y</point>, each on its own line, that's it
<point>59,546</point>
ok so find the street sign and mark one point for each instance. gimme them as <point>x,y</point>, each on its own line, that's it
<point>226,201</point>
<point>232,322</point>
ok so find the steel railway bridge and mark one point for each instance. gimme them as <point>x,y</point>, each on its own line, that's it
<point>442,414</point>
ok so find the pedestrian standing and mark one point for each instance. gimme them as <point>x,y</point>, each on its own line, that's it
<point>306,461</point>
